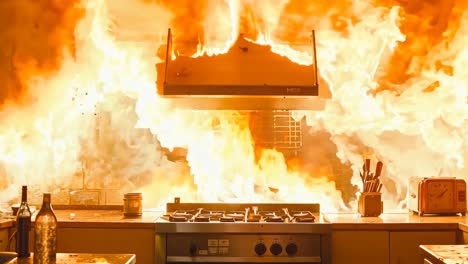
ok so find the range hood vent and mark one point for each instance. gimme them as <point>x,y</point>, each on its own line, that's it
<point>248,77</point>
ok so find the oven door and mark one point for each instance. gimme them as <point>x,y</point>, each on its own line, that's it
<point>243,248</point>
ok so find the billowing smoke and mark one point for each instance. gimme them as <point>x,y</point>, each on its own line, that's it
<point>35,37</point>
<point>71,131</point>
<point>397,97</point>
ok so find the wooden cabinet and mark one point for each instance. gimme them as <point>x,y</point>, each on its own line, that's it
<point>361,247</point>
<point>3,239</point>
<point>108,240</point>
<point>385,247</point>
<point>404,245</point>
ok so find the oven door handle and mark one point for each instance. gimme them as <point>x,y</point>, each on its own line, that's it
<point>217,259</point>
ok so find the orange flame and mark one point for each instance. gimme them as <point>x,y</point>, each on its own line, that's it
<point>399,95</point>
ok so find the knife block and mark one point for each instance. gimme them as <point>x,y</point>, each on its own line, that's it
<point>370,204</point>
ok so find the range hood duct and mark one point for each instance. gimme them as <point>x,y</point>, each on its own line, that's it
<point>248,77</point>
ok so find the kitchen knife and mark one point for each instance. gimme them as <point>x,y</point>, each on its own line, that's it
<point>378,169</point>
<point>367,166</point>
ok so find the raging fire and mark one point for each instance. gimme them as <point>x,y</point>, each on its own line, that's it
<point>395,69</point>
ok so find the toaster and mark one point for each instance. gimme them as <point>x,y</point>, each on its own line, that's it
<point>437,195</point>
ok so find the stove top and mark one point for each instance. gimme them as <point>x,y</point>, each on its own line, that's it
<point>240,212</point>
<point>248,215</point>
<point>240,217</point>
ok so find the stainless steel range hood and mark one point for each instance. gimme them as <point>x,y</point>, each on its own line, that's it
<point>248,77</point>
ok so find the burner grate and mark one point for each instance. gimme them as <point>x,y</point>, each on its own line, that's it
<point>302,217</point>
<point>239,213</point>
<point>205,216</point>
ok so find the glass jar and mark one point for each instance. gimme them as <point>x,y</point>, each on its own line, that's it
<point>133,204</point>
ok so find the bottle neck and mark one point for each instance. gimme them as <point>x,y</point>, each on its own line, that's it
<point>46,205</point>
<point>23,210</point>
<point>24,195</point>
<point>46,201</point>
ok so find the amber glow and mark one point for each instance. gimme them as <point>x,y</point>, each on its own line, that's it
<point>396,70</point>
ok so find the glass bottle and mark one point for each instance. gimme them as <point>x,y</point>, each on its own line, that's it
<point>45,231</point>
<point>23,225</point>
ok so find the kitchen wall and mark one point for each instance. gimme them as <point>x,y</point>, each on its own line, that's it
<point>103,179</point>
<point>112,161</point>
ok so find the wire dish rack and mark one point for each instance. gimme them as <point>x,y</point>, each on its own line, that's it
<point>277,129</point>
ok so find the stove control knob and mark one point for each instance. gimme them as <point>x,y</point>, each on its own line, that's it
<point>276,249</point>
<point>260,249</point>
<point>193,249</point>
<point>291,249</point>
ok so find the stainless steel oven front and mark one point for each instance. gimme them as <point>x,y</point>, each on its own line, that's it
<point>243,243</point>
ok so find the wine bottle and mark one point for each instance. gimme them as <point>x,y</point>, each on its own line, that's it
<point>23,225</point>
<point>45,231</point>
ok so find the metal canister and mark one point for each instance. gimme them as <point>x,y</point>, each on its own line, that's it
<point>133,205</point>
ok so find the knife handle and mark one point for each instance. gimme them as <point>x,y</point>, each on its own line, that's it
<point>378,169</point>
<point>367,165</point>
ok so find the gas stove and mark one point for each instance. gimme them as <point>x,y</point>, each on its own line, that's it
<point>242,233</point>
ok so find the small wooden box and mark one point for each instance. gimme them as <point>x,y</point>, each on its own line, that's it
<point>370,204</point>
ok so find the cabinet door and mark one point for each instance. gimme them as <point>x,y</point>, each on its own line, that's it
<point>360,247</point>
<point>404,246</point>
<point>3,239</point>
<point>108,240</point>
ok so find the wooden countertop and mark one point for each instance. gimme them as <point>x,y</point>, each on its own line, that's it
<point>393,221</point>
<point>338,221</point>
<point>80,258</point>
<point>6,222</point>
<point>104,218</point>
<point>445,254</point>
<point>96,219</point>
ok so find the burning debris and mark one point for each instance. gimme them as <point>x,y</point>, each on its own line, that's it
<point>79,79</point>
